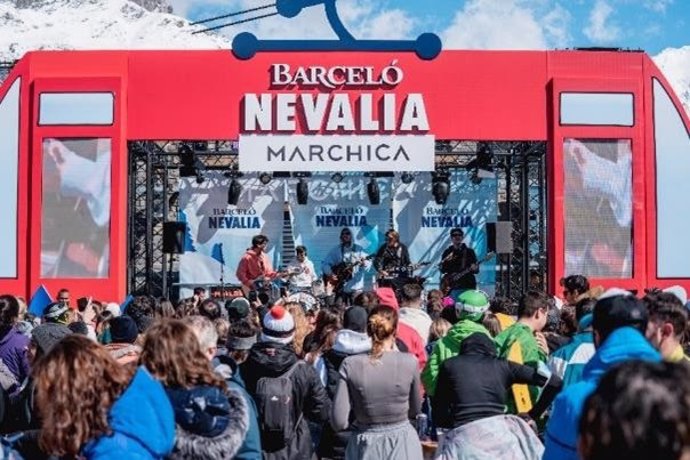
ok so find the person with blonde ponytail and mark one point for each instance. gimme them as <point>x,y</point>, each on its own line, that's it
<point>377,395</point>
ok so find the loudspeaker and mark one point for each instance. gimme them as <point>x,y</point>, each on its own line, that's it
<point>499,238</point>
<point>173,237</point>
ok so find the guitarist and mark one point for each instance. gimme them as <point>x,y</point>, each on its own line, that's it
<point>344,267</point>
<point>456,259</point>
<point>254,266</point>
<point>392,258</point>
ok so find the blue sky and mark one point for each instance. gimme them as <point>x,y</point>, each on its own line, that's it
<point>652,25</point>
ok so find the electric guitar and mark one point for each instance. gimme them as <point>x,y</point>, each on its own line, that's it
<point>450,279</point>
<point>342,273</point>
<point>262,282</point>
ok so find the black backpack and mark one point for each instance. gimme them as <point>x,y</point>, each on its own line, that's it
<point>275,405</point>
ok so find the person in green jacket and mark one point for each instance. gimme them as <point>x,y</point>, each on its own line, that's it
<point>470,307</point>
<point>533,310</point>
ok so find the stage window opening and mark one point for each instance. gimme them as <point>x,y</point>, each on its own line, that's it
<point>598,207</point>
<point>672,143</point>
<point>76,109</point>
<point>9,176</point>
<point>76,208</point>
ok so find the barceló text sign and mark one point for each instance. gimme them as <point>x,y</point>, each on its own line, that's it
<point>366,125</point>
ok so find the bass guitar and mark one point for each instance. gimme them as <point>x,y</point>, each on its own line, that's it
<point>450,279</point>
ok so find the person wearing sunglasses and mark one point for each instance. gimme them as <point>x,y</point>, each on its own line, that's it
<point>458,264</point>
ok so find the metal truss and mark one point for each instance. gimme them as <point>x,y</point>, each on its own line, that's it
<point>155,170</point>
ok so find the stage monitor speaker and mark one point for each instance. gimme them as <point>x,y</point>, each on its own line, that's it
<point>499,238</point>
<point>173,237</point>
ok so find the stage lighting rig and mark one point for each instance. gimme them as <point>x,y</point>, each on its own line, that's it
<point>407,178</point>
<point>373,191</point>
<point>302,188</point>
<point>235,188</point>
<point>265,178</point>
<point>440,186</point>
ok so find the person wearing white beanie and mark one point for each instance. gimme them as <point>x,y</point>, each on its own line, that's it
<point>278,326</point>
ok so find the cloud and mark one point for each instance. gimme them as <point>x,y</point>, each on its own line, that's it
<point>658,6</point>
<point>508,24</point>
<point>599,29</point>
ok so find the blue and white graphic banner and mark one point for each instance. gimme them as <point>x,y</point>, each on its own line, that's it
<point>333,206</point>
<point>219,232</point>
<point>425,226</point>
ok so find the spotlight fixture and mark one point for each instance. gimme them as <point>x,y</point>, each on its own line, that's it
<point>373,192</point>
<point>302,191</point>
<point>190,165</point>
<point>234,192</point>
<point>337,177</point>
<point>440,187</point>
<point>265,178</point>
<point>406,178</point>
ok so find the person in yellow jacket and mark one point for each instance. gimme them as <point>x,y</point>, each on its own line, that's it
<point>526,332</point>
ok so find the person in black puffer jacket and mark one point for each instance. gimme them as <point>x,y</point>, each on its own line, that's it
<point>351,340</point>
<point>211,420</point>
<point>270,359</point>
<point>460,400</point>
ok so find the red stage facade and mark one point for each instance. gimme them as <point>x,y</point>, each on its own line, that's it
<point>570,99</point>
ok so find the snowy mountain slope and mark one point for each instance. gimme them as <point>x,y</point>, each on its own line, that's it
<point>675,64</point>
<point>95,24</point>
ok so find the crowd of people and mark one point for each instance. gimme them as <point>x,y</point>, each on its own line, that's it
<point>391,374</point>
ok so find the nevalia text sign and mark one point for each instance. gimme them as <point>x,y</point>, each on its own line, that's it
<point>357,123</point>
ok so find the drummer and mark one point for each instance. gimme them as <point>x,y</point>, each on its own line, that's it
<point>392,258</point>
<point>301,273</point>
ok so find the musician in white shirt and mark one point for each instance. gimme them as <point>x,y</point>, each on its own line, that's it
<point>302,274</point>
<point>351,255</point>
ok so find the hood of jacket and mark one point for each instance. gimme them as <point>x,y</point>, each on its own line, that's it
<point>203,410</point>
<point>271,359</point>
<point>463,329</point>
<point>413,314</point>
<point>351,343</point>
<point>624,344</point>
<point>478,344</point>
<point>210,423</point>
<point>142,414</point>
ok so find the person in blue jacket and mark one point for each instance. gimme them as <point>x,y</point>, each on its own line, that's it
<point>92,408</point>
<point>619,322</point>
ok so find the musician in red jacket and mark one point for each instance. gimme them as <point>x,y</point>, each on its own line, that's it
<point>255,266</point>
<point>458,264</point>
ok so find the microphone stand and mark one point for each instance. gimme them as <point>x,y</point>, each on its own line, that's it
<point>222,282</point>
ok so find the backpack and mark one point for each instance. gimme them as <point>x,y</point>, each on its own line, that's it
<point>274,403</point>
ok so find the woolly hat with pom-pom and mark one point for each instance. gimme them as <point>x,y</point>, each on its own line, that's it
<point>278,326</point>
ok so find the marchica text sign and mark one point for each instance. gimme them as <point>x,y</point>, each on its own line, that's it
<point>378,130</point>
